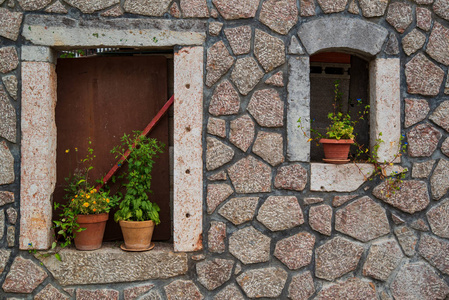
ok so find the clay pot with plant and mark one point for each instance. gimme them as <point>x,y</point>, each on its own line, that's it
<point>137,215</point>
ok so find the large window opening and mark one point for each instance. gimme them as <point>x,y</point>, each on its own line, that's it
<point>102,94</point>
<point>352,73</point>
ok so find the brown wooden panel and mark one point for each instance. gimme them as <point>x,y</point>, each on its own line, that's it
<point>331,57</point>
<point>103,98</point>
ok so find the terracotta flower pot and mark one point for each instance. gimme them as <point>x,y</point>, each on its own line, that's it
<point>336,151</point>
<point>92,237</point>
<point>137,234</point>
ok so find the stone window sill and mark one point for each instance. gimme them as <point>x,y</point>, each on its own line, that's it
<point>112,265</point>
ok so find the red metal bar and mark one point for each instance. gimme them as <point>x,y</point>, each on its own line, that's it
<point>145,132</point>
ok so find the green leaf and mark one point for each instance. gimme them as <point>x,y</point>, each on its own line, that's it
<point>58,257</point>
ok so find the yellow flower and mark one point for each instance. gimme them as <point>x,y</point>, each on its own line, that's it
<point>67,151</point>
<point>309,140</point>
<point>94,209</point>
<point>87,196</point>
<point>391,164</point>
<point>76,196</point>
<point>73,200</point>
<point>107,200</point>
<point>86,204</point>
<point>95,202</point>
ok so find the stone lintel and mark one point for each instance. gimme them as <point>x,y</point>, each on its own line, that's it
<point>342,33</point>
<point>38,53</point>
<point>338,178</point>
<point>64,32</point>
<point>298,149</point>
<point>114,265</point>
<point>188,152</point>
<point>38,162</point>
<point>385,107</point>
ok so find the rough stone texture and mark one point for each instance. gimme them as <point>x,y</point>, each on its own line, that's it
<point>383,258</point>
<point>4,257</point>
<point>363,219</point>
<point>359,35</point>
<point>116,11</point>
<point>152,295</point>
<point>399,15</point>
<point>307,8</point>
<point>250,175</point>
<point>188,152</point>
<point>320,219</point>
<point>2,223</point>
<point>392,46</point>
<point>214,273</point>
<point>216,194</point>
<point>49,292</point>
<point>217,237</point>
<point>439,181</point>
<point>214,13</point>
<point>11,236</point>
<point>423,76</point>
<point>336,258</point>
<point>435,251</point>
<point>8,59</point>
<point>340,200</point>
<point>276,80</point>
<point>87,6</point>
<point>438,45</point>
<point>338,178</point>
<point>295,47</point>
<point>420,225</point>
<point>175,11</point>
<point>332,6</point>
<point>438,218</point>
<point>10,82</point>
<point>7,117</point>
<point>296,251</point>
<point>446,87</point>
<point>58,8</point>
<point>423,18</point>
<point>246,74</point>
<point>23,277</point>
<point>194,8</point>
<point>10,24</point>
<point>33,4</point>
<point>242,132</point>
<point>267,108</point>
<point>183,289</point>
<point>440,116</point>
<point>416,110</point>
<point>411,197</point>
<point>236,9</point>
<point>250,246</point>
<point>230,292</point>
<point>38,53</point>
<point>312,200</point>
<point>105,294</point>
<point>132,293</point>
<point>269,146</point>
<point>353,288</point>
<point>422,169</point>
<point>215,28</point>
<point>6,197</point>
<point>291,177</point>
<point>407,239</point>
<point>6,165</point>
<point>397,219</point>
<point>219,61</point>
<point>280,213</point>
<point>269,50</point>
<point>160,263</point>
<point>373,8</point>
<point>216,127</point>
<point>265,282</point>
<point>441,8</point>
<point>301,286</point>
<point>239,38</point>
<point>217,154</point>
<point>413,41</point>
<point>418,281</point>
<point>445,147</point>
<point>422,140</point>
<point>353,7</point>
<point>225,100</point>
<point>279,15</point>
<point>239,210</point>
<point>147,7</point>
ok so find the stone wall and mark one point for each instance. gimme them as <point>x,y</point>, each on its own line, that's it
<point>274,224</point>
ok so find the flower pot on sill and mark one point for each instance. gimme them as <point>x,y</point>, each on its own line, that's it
<point>336,151</point>
<point>92,237</point>
<point>137,235</point>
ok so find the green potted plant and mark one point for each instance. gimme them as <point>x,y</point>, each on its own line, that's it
<point>339,134</point>
<point>84,216</point>
<point>137,215</point>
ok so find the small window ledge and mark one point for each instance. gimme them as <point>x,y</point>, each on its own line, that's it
<point>112,265</point>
